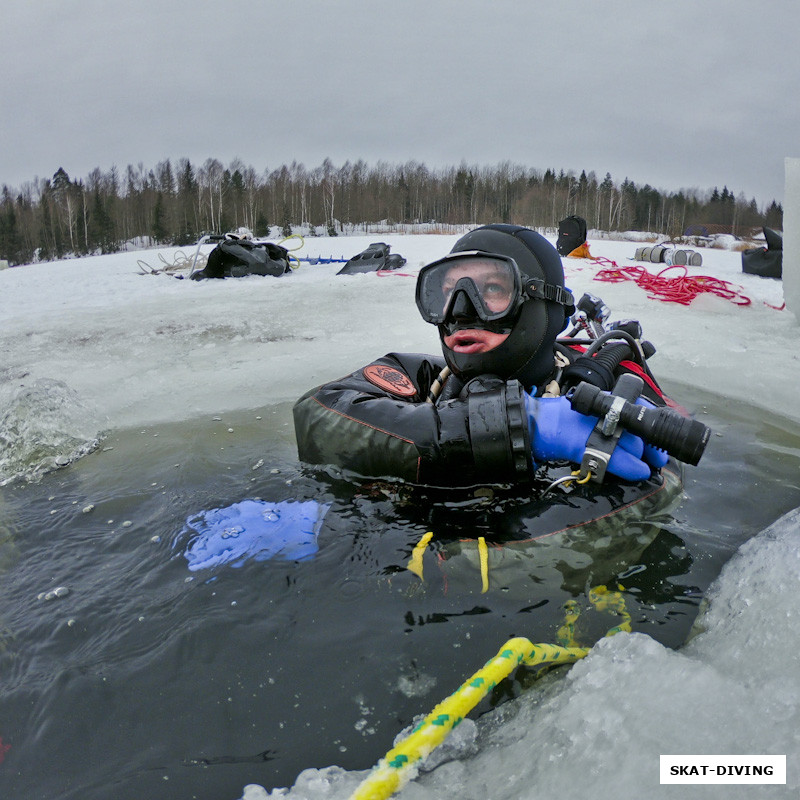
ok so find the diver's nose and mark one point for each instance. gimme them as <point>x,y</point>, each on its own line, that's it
<point>463,308</point>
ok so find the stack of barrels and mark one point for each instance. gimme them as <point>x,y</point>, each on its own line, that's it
<point>658,254</point>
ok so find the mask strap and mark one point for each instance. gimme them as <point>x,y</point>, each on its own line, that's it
<point>539,290</point>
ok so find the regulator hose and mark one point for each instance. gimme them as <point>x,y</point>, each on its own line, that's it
<point>598,370</point>
<point>600,361</point>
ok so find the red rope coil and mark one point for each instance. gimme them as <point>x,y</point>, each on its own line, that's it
<point>680,289</point>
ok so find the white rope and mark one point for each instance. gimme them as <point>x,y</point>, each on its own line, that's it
<point>180,261</point>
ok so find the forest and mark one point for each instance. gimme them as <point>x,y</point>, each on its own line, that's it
<point>176,203</point>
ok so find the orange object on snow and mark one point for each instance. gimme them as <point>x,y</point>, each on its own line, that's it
<point>581,251</point>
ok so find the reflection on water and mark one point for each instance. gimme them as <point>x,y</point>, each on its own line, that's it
<point>141,678</point>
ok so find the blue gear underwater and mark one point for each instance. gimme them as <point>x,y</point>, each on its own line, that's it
<point>254,529</point>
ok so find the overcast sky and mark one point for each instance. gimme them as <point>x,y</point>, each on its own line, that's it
<point>674,93</point>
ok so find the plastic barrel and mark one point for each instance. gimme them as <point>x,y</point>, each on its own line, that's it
<point>681,257</point>
<point>688,258</point>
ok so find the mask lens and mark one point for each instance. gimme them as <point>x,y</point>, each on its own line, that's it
<point>491,283</point>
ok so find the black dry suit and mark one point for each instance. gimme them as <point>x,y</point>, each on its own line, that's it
<point>376,422</point>
<point>380,421</point>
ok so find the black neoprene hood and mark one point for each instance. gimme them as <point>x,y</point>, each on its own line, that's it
<point>527,353</point>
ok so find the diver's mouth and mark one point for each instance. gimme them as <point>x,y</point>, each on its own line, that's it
<point>473,340</point>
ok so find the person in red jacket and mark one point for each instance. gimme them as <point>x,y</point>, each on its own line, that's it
<point>488,411</point>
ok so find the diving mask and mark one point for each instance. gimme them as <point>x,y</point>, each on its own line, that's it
<point>492,283</point>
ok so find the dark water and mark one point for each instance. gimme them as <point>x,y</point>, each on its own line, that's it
<point>148,680</point>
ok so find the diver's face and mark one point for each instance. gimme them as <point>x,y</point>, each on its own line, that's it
<point>494,284</point>
<point>496,287</point>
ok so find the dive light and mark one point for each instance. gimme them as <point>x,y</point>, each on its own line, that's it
<point>681,437</point>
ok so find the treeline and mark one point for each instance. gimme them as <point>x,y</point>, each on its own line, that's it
<point>174,204</point>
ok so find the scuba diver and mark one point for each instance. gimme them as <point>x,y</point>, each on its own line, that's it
<point>495,407</point>
<point>509,405</point>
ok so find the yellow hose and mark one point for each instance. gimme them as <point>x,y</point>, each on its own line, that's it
<point>483,556</point>
<point>415,562</point>
<point>294,261</point>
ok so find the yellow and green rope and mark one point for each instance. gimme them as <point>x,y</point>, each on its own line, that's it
<point>394,770</point>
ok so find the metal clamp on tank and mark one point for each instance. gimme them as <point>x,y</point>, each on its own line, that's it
<point>603,439</point>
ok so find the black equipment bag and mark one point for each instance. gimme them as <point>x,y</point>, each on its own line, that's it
<point>375,257</point>
<point>571,234</point>
<point>236,258</point>
<point>766,262</point>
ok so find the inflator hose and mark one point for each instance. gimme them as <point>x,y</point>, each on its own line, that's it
<point>598,370</point>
